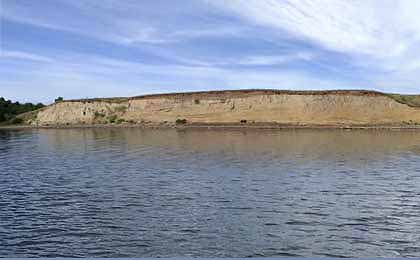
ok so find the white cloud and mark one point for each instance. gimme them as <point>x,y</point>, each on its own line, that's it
<point>10,54</point>
<point>74,77</point>
<point>248,60</point>
<point>374,35</point>
<point>191,45</point>
<point>262,60</point>
<point>378,28</point>
<point>233,31</point>
<point>122,22</point>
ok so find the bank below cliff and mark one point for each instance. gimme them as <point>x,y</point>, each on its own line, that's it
<point>253,108</point>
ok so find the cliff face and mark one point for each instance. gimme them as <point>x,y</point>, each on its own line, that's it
<point>232,107</point>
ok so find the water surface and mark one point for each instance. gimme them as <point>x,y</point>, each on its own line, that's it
<point>209,193</point>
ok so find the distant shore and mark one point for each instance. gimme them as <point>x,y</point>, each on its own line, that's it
<point>212,126</point>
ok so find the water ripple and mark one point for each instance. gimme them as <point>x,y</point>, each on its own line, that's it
<point>165,193</point>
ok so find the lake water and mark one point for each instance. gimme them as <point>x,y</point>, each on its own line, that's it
<point>209,193</point>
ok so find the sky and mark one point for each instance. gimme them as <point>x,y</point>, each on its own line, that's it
<point>107,48</point>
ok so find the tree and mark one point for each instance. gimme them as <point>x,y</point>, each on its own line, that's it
<point>9,110</point>
<point>59,99</point>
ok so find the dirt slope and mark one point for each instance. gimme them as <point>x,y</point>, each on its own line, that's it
<point>338,107</point>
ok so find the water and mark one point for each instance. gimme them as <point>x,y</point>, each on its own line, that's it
<point>167,193</point>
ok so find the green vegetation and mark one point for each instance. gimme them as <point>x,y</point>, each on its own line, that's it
<point>16,121</point>
<point>410,122</point>
<point>9,110</point>
<point>99,115</point>
<point>121,109</point>
<point>196,101</point>
<point>410,100</point>
<point>112,119</point>
<point>181,121</point>
<point>59,99</point>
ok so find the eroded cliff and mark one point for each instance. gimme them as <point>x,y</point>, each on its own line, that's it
<point>237,107</point>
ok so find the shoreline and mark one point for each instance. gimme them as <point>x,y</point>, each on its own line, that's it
<point>214,126</point>
<point>250,109</point>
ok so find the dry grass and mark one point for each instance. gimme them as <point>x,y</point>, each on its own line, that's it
<point>228,93</point>
<point>409,100</point>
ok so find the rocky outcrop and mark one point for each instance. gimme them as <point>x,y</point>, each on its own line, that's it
<point>237,107</point>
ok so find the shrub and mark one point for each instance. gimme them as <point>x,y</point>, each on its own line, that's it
<point>181,121</point>
<point>196,101</point>
<point>17,121</point>
<point>120,121</point>
<point>243,121</point>
<point>98,114</point>
<point>9,109</point>
<point>112,119</point>
<point>59,99</point>
<point>121,109</point>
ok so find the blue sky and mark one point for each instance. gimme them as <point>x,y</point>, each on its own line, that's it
<point>103,48</point>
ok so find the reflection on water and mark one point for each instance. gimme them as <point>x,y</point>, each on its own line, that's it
<point>140,193</point>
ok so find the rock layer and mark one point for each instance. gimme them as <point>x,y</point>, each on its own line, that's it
<point>237,107</point>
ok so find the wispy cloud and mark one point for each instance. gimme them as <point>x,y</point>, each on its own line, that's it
<point>124,22</point>
<point>21,55</point>
<point>374,35</point>
<point>377,28</point>
<point>111,47</point>
<point>276,59</point>
<point>90,76</point>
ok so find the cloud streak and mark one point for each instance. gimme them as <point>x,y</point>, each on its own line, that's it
<point>21,55</point>
<point>376,28</point>
<point>99,76</point>
<point>109,47</point>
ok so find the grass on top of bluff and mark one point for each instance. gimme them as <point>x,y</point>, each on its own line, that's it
<point>409,100</point>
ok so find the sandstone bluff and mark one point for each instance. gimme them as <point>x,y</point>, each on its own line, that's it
<point>238,107</point>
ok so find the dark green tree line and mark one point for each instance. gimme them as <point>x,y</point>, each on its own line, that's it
<point>9,109</point>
